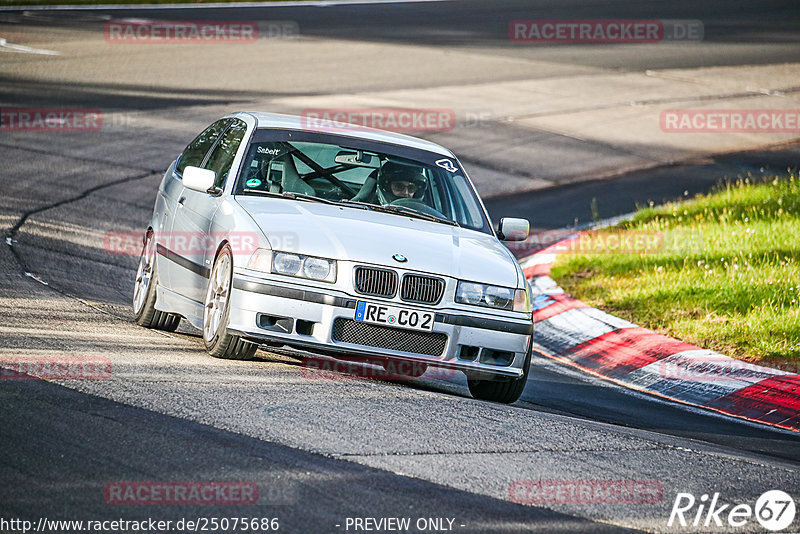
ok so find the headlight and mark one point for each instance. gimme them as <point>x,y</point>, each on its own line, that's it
<point>316,268</point>
<point>499,297</point>
<point>469,293</point>
<point>503,298</point>
<point>302,266</point>
<point>287,264</point>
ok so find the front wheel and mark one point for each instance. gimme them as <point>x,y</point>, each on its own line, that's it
<point>503,391</point>
<point>145,289</point>
<point>217,310</point>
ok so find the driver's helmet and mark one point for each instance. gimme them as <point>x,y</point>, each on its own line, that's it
<point>396,180</point>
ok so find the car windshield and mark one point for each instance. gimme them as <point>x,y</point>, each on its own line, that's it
<point>359,173</point>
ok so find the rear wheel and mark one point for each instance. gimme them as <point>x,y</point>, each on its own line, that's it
<point>145,289</point>
<point>216,313</point>
<point>503,391</point>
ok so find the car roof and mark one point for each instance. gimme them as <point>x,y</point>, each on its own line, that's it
<point>296,122</point>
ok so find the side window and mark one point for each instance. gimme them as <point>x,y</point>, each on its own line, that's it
<point>221,157</point>
<point>194,153</point>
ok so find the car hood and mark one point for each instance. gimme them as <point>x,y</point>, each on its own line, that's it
<point>359,235</point>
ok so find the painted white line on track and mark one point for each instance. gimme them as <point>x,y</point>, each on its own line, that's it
<point>26,49</point>
<point>215,5</point>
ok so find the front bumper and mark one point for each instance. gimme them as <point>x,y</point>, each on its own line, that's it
<point>306,316</point>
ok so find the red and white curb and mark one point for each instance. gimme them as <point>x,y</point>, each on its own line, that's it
<point>572,332</point>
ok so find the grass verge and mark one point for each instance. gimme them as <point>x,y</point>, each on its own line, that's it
<point>722,270</point>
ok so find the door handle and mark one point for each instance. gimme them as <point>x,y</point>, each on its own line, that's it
<point>181,201</point>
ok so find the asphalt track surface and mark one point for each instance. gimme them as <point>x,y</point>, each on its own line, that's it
<point>325,450</point>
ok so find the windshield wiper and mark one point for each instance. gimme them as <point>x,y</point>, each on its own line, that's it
<point>290,195</point>
<point>302,196</point>
<point>405,210</point>
<point>356,204</point>
<point>401,210</point>
<point>391,208</point>
<point>262,192</point>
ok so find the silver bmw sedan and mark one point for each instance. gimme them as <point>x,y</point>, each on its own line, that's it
<point>349,241</point>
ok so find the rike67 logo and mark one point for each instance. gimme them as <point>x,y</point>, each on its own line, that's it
<point>774,510</point>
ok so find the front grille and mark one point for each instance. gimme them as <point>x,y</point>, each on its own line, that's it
<point>422,289</point>
<point>384,337</point>
<point>376,282</point>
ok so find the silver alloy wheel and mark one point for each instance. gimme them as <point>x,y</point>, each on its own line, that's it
<point>217,296</point>
<point>144,275</point>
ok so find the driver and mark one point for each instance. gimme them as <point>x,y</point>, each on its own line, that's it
<point>396,181</point>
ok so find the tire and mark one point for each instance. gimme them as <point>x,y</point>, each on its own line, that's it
<point>145,289</point>
<point>217,310</point>
<point>502,391</point>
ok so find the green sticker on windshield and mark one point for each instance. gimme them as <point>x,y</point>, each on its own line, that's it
<point>253,182</point>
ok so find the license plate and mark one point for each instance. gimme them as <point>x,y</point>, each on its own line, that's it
<point>368,312</point>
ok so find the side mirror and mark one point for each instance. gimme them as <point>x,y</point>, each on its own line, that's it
<point>511,229</point>
<point>198,179</point>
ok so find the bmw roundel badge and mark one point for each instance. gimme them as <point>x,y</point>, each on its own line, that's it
<point>400,258</point>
